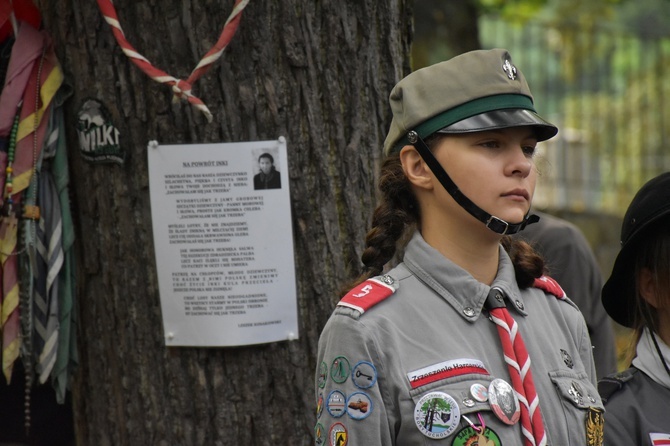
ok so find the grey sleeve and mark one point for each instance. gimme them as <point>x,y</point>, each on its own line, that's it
<point>618,431</point>
<point>349,377</point>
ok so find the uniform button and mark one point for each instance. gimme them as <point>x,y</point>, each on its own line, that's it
<point>468,402</point>
<point>519,305</point>
<point>499,297</point>
<point>388,280</point>
<point>468,311</point>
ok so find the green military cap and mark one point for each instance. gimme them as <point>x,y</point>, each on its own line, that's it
<point>475,91</point>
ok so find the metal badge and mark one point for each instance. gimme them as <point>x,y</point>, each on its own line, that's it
<point>468,436</point>
<point>479,392</point>
<point>509,69</point>
<point>504,402</point>
<point>567,359</point>
<point>437,415</point>
<point>595,424</point>
<point>364,375</point>
<point>576,393</point>
<point>359,405</point>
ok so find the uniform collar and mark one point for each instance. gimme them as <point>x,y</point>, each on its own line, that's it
<point>454,284</point>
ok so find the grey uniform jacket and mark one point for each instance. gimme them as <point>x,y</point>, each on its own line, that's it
<point>434,320</point>
<point>638,408</point>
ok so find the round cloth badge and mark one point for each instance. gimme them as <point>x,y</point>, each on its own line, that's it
<point>338,435</point>
<point>364,375</point>
<point>319,433</point>
<point>340,369</point>
<point>335,405</point>
<point>359,405</point>
<point>437,415</point>
<point>504,402</point>
<point>319,406</point>
<point>468,436</point>
<point>323,375</point>
<point>479,392</point>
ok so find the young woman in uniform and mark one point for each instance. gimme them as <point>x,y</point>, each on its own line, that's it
<point>637,295</point>
<point>465,342</point>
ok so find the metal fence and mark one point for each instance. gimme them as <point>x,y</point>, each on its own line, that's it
<point>607,93</point>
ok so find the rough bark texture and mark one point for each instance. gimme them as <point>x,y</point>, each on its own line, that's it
<point>318,73</point>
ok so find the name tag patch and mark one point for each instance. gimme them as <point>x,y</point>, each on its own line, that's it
<point>446,369</point>
<point>658,439</point>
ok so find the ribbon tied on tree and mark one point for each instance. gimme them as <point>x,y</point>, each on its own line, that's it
<point>180,88</point>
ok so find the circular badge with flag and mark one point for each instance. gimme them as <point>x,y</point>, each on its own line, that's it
<point>437,415</point>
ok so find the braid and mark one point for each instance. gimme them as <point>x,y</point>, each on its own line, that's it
<point>528,264</point>
<point>397,211</point>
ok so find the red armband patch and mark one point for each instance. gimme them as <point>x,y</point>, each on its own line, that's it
<point>549,285</point>
<point>367,295</point>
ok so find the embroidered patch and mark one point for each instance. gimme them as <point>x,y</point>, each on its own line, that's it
<point>98,138</point>
<point>335,405</point>
<point>446,369</point>
<point>340,369</point>
<point>595,424</point>
<point>470,437</point>
<point>364,375</point>
<point>658,439</point>
<point>323,375</point>
<point>319,406</point>
<point>479,392</point>
<point>504,402</point>
<point>367,295</point>
<point>338,435</point>
<point>318,433</point>
<point>359,405</point>
<point>437,415</point>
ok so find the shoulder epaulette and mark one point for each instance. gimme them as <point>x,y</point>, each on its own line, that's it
<point>549,285</point>
<point>369,293</point>
<point>610,385</point>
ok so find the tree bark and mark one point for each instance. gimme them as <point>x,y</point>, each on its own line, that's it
<point>318,73</point>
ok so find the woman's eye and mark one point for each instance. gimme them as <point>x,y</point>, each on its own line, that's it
<point>529,150</point>
<point>490,144</point>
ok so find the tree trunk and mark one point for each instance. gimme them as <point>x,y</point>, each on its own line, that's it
<point>318,73</point>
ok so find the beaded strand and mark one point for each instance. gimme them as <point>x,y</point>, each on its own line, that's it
<point>11,150</point>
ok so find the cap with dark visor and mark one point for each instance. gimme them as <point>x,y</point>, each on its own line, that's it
<point>476,91</point>
<point>473,92</point>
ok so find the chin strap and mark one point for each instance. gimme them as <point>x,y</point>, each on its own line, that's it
<point>492,222</point>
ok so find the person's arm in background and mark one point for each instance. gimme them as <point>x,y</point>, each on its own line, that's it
<point>573,265</point>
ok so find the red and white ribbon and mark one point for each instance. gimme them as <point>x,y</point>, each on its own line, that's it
<point>181,88</point>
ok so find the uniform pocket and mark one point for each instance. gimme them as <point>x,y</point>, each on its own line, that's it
<point>581,404</point>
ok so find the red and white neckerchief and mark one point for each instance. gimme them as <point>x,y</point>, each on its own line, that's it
<point>181,88</point>
<point>518,365</point>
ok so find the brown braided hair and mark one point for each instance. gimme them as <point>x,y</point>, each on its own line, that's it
<point>397,215</point>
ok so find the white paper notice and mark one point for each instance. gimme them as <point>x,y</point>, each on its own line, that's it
<point>224,246</point>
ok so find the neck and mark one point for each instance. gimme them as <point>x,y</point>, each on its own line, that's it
<point>473,247</point>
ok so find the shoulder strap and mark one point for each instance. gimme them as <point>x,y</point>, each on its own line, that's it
<point>610,385</point>
<point>369,293</point>
<point>549,285</point>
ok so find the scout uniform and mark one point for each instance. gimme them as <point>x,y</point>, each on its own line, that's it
<point>637,400</point>
<point>409,358</point>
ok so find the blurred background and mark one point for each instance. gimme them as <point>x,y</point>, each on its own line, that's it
<point>599,70</point>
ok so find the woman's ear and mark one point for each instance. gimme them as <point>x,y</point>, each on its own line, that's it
<point>647,287</point>
<point>416,170</point>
